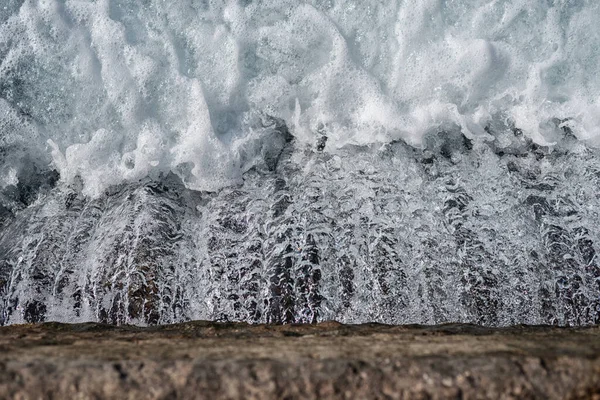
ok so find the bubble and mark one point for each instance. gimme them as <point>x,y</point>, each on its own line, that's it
<point>370,71</point>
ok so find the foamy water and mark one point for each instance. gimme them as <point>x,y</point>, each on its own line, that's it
<point>114,91</point>
<point>395,160</point>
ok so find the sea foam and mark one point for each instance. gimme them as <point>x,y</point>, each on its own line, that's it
<point>111,90</point>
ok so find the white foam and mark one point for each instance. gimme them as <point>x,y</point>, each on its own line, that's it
<point>124,90</point>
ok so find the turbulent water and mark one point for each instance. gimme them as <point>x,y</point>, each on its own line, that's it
<point>400,161</point>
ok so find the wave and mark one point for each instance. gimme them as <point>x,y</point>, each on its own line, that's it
<point>114,91</point>
<point>399,161</point>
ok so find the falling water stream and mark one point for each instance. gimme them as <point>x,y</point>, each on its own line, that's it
<point>397,161</point>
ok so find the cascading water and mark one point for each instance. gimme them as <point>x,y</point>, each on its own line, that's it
<point>399,161</point>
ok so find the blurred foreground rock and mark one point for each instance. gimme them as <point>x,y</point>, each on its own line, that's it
<point>216,360</point>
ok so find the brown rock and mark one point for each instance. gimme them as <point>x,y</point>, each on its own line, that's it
<point>204,360</point>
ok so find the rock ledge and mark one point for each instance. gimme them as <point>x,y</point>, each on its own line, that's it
<point>209,360</point>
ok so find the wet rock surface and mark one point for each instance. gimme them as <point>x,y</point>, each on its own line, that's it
<point>327,360</point>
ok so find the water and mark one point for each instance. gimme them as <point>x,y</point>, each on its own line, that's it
<point>283,161</point>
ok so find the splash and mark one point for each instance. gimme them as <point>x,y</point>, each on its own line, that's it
<point>464,231</point>
<point>114,91</point>
<point>281,161</point>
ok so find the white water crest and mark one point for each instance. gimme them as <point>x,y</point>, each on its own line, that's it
<point>117,90</point>
<point>400,161</point>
